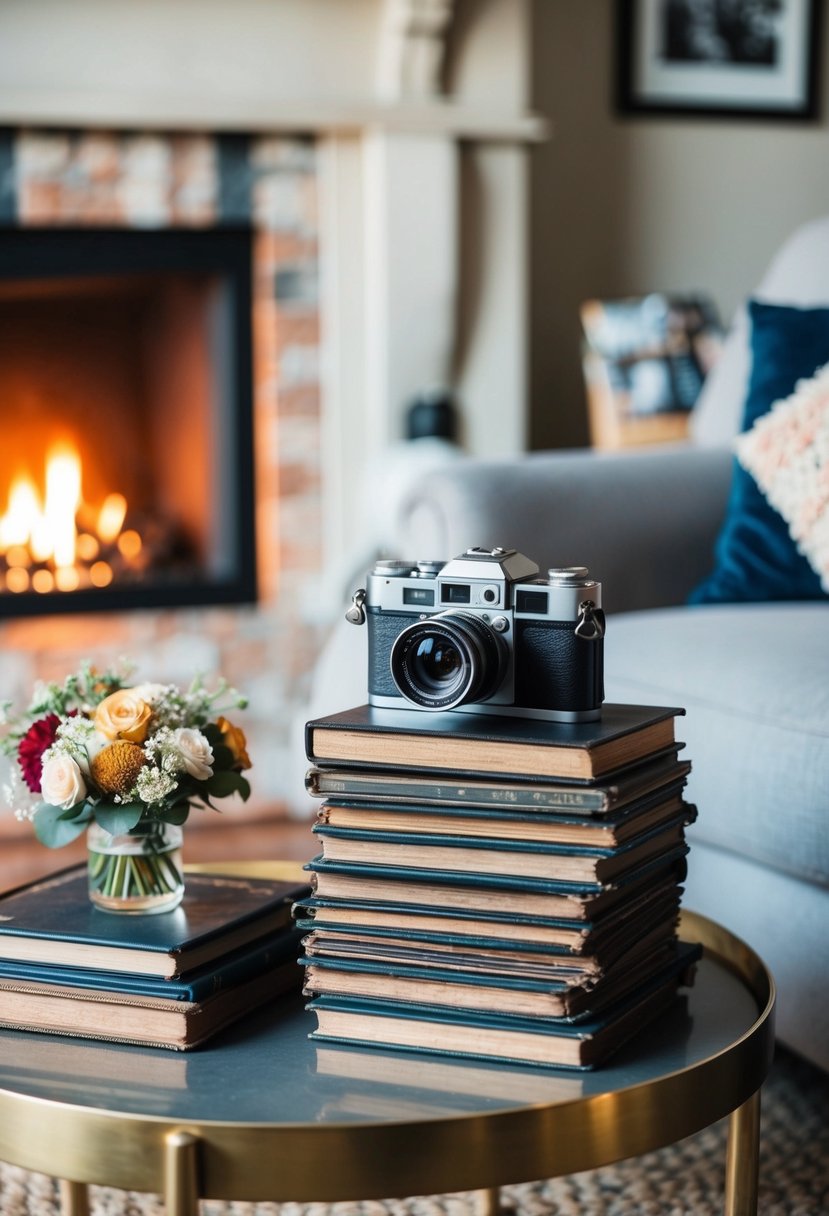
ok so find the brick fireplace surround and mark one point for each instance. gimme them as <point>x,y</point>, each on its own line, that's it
<point>413,184</point>
<point>170,181</point>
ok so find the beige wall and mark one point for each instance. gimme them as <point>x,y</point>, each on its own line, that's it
<point>629,205</point>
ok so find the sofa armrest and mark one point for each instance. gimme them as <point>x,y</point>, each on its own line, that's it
<point>644,522</point>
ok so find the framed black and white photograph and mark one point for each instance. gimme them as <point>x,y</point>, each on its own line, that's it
<point>719,57</point>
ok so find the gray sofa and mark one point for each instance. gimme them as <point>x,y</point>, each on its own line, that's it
<point>753,678</point>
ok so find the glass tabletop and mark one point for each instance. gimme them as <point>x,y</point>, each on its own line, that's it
<point>266,1070</point>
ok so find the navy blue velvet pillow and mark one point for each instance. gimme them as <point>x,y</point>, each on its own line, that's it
<point>755,557</point>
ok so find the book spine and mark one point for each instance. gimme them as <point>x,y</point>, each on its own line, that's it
<point>235,970</point>
<point>323,785</point>
<point>279,949</point>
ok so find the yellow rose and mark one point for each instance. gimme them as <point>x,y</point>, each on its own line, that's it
<point>233,737</point>
<point>124,715</point>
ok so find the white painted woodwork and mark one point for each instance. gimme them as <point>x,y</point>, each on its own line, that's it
<point>411,47</point>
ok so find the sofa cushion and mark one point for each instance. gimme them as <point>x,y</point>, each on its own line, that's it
<point>798,274</point>
<point>756,558</point>
<point>752,680</point>
<point>787,454</point>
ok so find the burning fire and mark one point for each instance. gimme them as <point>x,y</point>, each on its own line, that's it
<point>57,541</point>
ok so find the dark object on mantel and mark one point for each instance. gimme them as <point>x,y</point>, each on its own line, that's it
<point>432,416</point>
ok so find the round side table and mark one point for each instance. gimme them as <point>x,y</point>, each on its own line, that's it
<point>263,1113</point>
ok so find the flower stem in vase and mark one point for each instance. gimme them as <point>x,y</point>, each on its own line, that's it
<point>137,872</point>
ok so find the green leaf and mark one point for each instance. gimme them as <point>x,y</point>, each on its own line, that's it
<point>80,808</point>
<point>212,734</point>
<point>119,819</point>
<point>222,757</point>
<point>221,784</point>
<point>176,814</point>
<point>53,830</point>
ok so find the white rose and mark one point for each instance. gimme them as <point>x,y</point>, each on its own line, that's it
<point>62,782</point>
<point>195,752</point>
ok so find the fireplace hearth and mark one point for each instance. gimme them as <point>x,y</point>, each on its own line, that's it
<point>126,468</point>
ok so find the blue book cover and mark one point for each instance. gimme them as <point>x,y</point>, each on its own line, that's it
<point>478,953</point>
<point>52,922</point>
<point>229,970</point>
<point>517,992</point>
<point>335,925</point>
<point>462,1033</point>
<point>569,863</point>
<point>504,823</point>
<point>630,783</point>
<point>317,910</point>
<point>673,859</point>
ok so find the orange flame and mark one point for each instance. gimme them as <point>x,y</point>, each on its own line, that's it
<point>41,529</point>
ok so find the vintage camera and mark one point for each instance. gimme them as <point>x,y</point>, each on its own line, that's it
<point>484,634</point>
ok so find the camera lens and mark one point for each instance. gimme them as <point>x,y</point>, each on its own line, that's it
<point>436,664</point>
<point>449,660</point>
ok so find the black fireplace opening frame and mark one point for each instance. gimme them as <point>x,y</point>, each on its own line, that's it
<point>225,252</point>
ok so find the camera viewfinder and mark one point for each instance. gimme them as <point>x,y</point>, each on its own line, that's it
<point>455,593</point>
<point>531,601</point>
<point>422,597</point>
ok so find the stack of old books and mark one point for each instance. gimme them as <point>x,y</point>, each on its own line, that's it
<point>171,980</point>
<point>495,887</point>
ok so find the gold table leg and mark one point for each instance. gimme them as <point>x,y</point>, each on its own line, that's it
<point>742,1160</point>
<point>181,1189</point>
<point>74,1198</point>
<point>488,1201</point>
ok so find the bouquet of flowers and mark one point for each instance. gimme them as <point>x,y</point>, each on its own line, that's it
<point>127,757</point>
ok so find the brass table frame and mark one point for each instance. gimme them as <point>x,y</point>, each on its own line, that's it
<point>330,1162</point>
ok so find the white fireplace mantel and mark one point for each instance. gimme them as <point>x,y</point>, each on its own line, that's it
<point>419,109</point>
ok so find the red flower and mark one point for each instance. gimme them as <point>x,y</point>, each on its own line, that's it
<point>30,749</point>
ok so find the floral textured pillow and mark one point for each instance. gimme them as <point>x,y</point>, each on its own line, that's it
<point>787,454</point>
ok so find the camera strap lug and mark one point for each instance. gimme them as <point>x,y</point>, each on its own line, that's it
<point>589,625</point>
<point>357,613</point>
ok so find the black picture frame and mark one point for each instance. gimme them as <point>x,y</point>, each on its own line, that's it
<point>674,59</point>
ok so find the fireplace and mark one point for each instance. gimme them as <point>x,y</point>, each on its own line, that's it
<point>126,471</point>
<point>385,187</point>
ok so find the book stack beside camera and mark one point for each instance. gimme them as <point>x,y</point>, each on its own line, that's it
<point>172,980</point>
<point>495,887</point>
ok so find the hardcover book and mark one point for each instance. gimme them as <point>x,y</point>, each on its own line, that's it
<point>481,745</point>
<point>542,1041</point>
<point>502,894</point>
<point>231,969</point>
<point>481,954</point>
<point>504,823</point>
<point>428,921</point>
<point>523,991</point>
<point>480,855</point>
<point>628,786</point>
<point>52,922</point>
<point>145,1020</point>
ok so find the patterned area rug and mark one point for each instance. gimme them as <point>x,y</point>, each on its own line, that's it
<point>685,1179</point>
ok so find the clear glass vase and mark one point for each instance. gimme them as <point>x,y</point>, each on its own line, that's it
<point>137,872</point>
